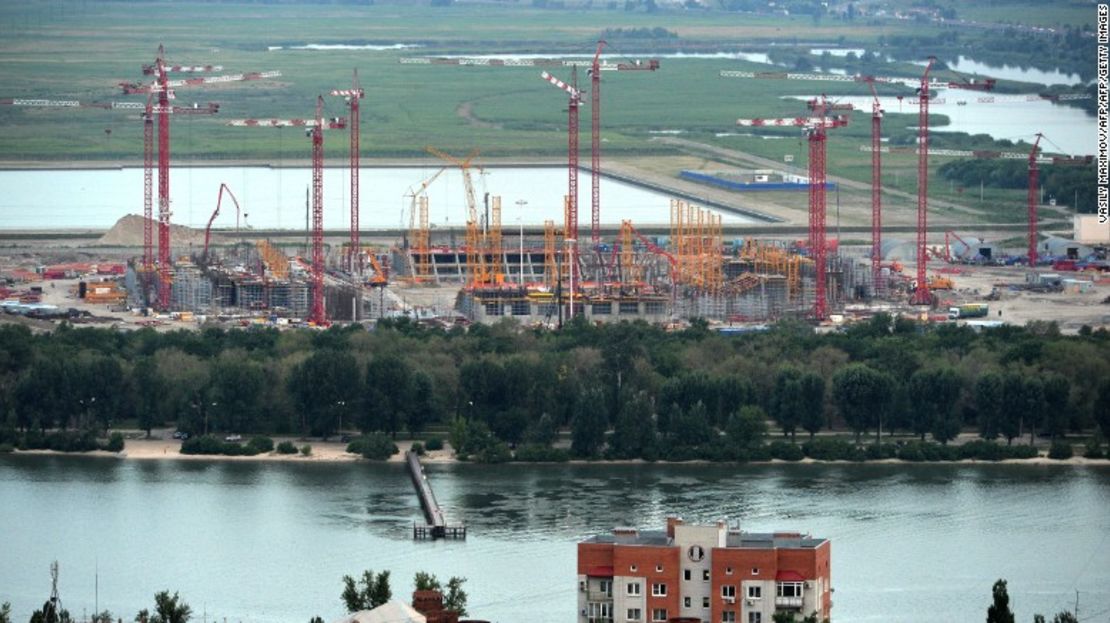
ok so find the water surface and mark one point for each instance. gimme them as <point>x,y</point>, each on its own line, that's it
<point>270,542</point>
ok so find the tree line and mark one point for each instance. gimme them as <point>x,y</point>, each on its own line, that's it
<point>623,391</point>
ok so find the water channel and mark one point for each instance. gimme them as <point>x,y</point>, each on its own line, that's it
<point>269,542</point>
<point>275,197</point>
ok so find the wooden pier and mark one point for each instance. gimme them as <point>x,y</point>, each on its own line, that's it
<point>436,527</point>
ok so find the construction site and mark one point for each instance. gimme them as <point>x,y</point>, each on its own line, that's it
<point>602,271</point>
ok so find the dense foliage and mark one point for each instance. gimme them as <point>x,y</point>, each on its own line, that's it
<point>1068,184</point>
<point>618,391</point>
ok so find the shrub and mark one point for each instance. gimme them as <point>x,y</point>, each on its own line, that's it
<point>418,448</point>
<point>261,444</point>
<point>878,452</point>
<point>115,443</point>
<point>434,443</point>
<point>286,447</point>
<point>786,451</point>
<point>1060,450</point>
<point>375,446</point>
<point>205,444</point>
<point>536,453</point>
<point>495,452</point>
<point>1093,449</point>
<point>6,448</point>
<point>830,450</point>
<point>306,450</point>
<point>991,451</point>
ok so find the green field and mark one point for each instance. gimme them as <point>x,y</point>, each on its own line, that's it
<point>80,50</point>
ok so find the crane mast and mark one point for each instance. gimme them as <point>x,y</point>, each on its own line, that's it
<point>318,314</point>
<point>921,295</point>
<point>1033,200</point>
<point>353,96</point>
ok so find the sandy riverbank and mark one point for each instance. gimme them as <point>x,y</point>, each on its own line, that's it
<point>336,452</point>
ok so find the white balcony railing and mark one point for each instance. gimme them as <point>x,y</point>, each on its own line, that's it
<point>788,602</point>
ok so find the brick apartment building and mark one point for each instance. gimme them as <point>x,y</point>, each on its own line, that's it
<point>701,574</point>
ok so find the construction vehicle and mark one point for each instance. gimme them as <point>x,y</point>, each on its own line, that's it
<point>969,310</point>
<point>938,282</point>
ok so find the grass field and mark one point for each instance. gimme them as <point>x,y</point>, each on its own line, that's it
<point>80,50</point>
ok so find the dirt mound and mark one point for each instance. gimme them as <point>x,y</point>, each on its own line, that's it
<point>128,232</point>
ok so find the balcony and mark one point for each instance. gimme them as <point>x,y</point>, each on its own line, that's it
<point>788,602</point>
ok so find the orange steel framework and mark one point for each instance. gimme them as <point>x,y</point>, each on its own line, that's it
<point>696,244</point>
<point>475,266</point>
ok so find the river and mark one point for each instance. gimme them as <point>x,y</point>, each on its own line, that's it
<point>275,197</point>
<point>269,542</point>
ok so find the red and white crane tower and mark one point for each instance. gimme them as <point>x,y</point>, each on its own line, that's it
<point>570,230</point>
<point>1033,199</point>
<point>876,191</point>
<point>816,133</point>
<point>147,113</point>
<point>353,96</point>
<point>314,128</point>
<point>921,294</point>
<point>162,89</point>
<point>594,67</point>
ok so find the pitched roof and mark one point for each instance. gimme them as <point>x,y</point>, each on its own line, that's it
<point>390,612</point>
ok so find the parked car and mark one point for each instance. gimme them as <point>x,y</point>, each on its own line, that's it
<point>233,438</point>
<point>182,435</point>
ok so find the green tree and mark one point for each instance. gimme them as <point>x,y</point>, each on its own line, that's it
<point>988,402</point>
<point>588,426</point>
<point>389,394</point>
<point>324,388</point>
<point>235,396</point>
<point>1102,407</point>
<point>455,599</point>
<point>811,386</point>
<point>786,404</point>
<point>863,396</point>
<point>424,409</point>
<point>169,609</point>
<point>933,396</point>
<point>999,611</point>
<point>1057,392</point>
<point>692,427</point>
<point>747,427</point>
<point>6,608</point>
<point>634,433</point>
<point>368,593</point>
<point>425,582</point>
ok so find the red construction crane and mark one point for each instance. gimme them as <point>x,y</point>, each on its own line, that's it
<point>921,295</point>
<point>162,88</point>
<point>876,191</point>
<point>570,230</point>
<point>876,132</point>
<point>314,128</point>
<point>215,213</point>
<point>353,96</point>
<point>147,113</point>
<point>594,67</point>
<point>815,128</point>
<point>1033,199</point>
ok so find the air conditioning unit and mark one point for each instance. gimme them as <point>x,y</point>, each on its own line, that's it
<point>730,600</point>
<point>583,612</point>
<point>750,602</point>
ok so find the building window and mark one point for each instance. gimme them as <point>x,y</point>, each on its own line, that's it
<point>599,611</point>
<point>659,568</point>
<point>581,587</point>
<point>655,307</point>
<point>633,614</point>
<point>495,309</point>
<point>728,570</point>
<point>629,308</point>
<point>755,570</point>
<point>633,588</point>
<point>790,589</point>
<point>755,617</point>
<point>521,308</point>
<point>728,617</point>
<point>658,590</point>
<point>728,591</point>
<point>755,592</point>
<point>546,309</point>
<point>685,602</point>
<point>705,575</point>
<point>659,615</point>
<point>705,602</point>
<point>686,574</point>
<point>606,587</point>
<point>602,309</point>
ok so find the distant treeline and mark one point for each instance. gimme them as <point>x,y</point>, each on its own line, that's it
<point>1070,185</point>
<point>626,389</point>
